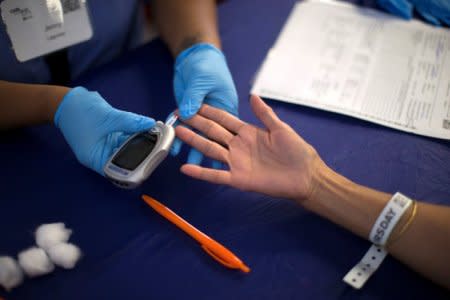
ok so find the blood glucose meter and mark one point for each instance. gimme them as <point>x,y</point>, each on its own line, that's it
<point>139,156</point>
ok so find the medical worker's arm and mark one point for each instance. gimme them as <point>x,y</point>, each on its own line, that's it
<point>201,72</point>
<point>92,128</point>
<point>28,104</point>
<point>276,161</point>
<point>184,23</point>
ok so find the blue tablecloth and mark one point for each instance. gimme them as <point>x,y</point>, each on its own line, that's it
<point>130,252</point>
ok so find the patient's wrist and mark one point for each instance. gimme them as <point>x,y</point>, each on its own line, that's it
<point>324,183</point>
<point>318,172</point>
<point>353,206</point>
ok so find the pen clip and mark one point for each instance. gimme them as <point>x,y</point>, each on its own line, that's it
<point>220,260</point>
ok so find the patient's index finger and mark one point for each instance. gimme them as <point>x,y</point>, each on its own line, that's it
<point>211,129</point>
<point>221,117</point>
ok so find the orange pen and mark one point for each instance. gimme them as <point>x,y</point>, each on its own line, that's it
<point>213,248</point>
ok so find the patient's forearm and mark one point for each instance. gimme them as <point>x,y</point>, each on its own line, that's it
<point>28,104</point>
<point>424,246</point>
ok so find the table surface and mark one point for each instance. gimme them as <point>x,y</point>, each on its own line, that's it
<point>130,252</point>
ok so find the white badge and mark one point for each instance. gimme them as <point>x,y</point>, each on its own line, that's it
<point>39,27</point>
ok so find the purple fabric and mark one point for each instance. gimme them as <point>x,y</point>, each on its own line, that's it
<point>130,252</point>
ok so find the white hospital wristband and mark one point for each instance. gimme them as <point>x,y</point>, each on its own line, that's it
<point>379,235</point>
<point>388,219</point>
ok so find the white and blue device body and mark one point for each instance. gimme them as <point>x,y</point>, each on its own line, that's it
<point>139,156</point>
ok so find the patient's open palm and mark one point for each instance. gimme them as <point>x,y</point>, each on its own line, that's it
<point>274,161</point>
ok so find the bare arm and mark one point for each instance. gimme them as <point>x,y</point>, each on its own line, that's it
<point>28,104</point>
<point>424,246</point>
<point>278,162</point>
<point>183,23</point>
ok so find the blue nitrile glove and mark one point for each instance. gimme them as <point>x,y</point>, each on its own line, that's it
<point>202,76</point>
<point>93,128</point>
<point>433,11</point>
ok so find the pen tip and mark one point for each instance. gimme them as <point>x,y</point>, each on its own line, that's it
<point>147,198</point>
<point>245,269</point>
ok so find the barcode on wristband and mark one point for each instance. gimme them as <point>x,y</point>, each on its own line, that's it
<point>70,5</point>
<point>446,124</point>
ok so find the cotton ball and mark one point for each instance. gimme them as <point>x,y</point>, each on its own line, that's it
<point>35,262</point>
<point>64,255</point>
<point>48,235</point>
<point>10,273</point>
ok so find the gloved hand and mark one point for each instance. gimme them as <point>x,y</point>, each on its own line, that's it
<point>93,128</point>
<point>433,11</point>
<point>202,76</point>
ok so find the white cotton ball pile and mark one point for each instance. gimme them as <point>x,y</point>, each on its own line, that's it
<point>48,235</point>
<point>35,262</point>
<point>10,273</point>
<point>65,255</point>
<point>53,238</point>
<point>53,250</point>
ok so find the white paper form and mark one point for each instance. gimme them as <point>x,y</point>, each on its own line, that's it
<point>362,63</point>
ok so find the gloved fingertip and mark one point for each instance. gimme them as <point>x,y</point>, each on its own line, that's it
<point>429,18</point>
<point>187,111</point>
<point>146,122</point>
<point>191,103</point>
<point>401,8</point>
<point>217,165</point>
<point>184,114</point>
<point>176,147</point>
<point>195,157</point>
<point>130,122</point>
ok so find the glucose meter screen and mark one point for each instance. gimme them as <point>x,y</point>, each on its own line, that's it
<point>135,151</point>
